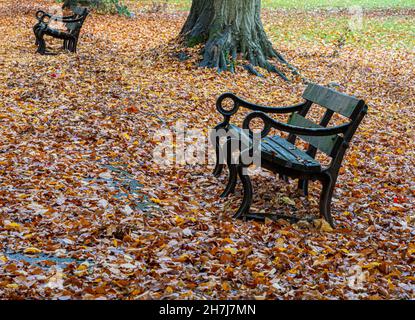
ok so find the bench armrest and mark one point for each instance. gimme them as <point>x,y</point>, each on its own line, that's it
<point>73,20</point>
<point>271,123</point>
<point>238,102</point>
<point>41,15</point>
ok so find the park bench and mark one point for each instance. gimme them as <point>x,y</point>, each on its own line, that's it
<point>281,155</point>
<point>70,36</point>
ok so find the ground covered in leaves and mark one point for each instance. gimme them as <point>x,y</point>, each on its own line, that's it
<point>85,212</point>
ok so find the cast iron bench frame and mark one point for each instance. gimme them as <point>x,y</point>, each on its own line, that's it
<point>70,38</point>
<point>281,155</point>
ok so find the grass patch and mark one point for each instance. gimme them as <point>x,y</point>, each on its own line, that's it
<point>315,4</point>
<point>391,31</point>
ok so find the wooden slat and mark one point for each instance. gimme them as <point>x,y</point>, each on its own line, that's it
<point>79,10</point>
<point>324,144</point>
<point>292,137</point>
<point>72,26</point>
<point>312,151</point>
<point>271,146</point>
<point>289,155</point>
<point>300,155</point>
<point>331,99</point>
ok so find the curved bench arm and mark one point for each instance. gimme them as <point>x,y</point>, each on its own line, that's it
<point>74,20</point>
<point>271,123</point>
<point>41,15</point>
<point>238,102</point>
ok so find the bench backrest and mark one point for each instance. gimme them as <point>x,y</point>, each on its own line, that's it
<point>334,102</point>
<point>75,27</point>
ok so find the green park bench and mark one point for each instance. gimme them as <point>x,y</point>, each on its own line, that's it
<point>281,155</point>
<point>70,36</point>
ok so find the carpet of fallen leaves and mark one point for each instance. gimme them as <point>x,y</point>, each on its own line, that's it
<point>86,214</point>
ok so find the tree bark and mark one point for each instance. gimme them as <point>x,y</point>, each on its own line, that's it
<point>230,29</point>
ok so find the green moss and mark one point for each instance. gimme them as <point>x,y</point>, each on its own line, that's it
<point>194,41</point>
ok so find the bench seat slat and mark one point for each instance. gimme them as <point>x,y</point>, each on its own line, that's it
<point>280,151</point>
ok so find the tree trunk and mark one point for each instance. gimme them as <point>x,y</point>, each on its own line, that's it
<point>230,29</point>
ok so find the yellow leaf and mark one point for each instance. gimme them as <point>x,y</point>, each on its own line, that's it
<point>287,200</point>
<point>228,240</point>
<point>82,267</point>
<point>182,258</point>
<point>32,250</point>
<point>226,286</point>
<point>323,225</point>
<point>280,244</point>
<point>179,220</point>
<point>13,226</point>
<point>258,274</point>
<point>12,286</point>
<point>126,136</point>
<point>371,265</point>
<point>231,250</point>
<point>155,200</point>
<point>136,292</point>
<point>293,271</point>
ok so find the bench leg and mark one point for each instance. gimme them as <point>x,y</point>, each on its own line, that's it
<point>233,179</point>
<point>219,166</point>
<point>68,45</point>
<point>215,140</point>
<point>303,185</point>
<point>74,45</point>
<point>41,42</point>
<point>233,169</point>
<point>247,200</point>
<point>34,31</point>
<point>325,199</point>
<point>218,170</point>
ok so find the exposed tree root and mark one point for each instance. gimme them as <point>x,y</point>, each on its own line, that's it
<point>250,68</point>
